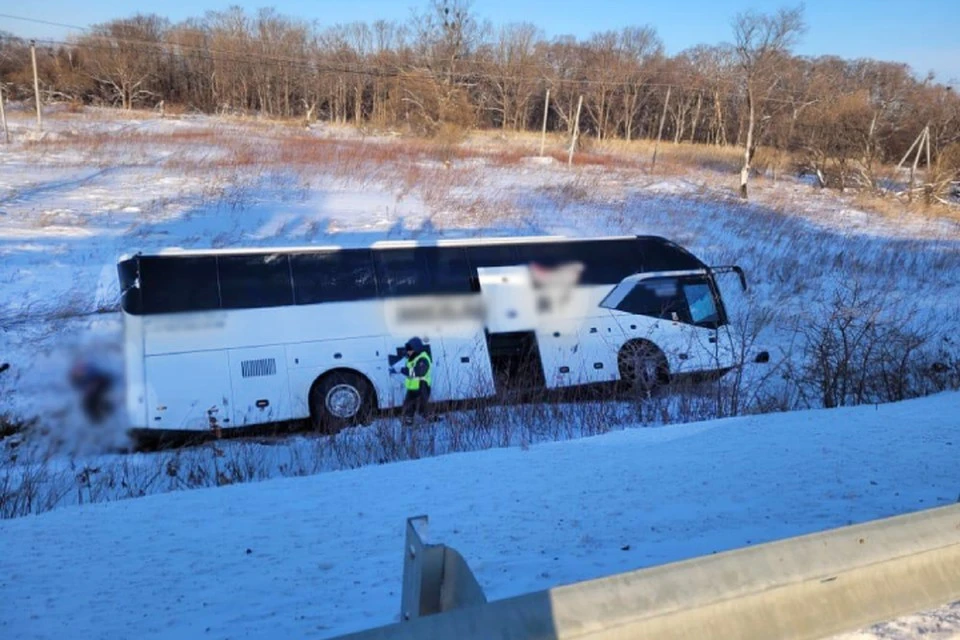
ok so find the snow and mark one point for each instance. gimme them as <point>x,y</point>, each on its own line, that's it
<point>322,555</point>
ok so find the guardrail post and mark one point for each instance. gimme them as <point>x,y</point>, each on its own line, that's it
<point>436,578</point>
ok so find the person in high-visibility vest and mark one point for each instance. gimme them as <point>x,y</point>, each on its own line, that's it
<point>418,380</point>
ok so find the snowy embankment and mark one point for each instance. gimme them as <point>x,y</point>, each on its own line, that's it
<point>320,556</point>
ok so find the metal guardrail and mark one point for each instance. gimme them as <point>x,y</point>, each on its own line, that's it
<point>436,578</point>
<point>807,587</point>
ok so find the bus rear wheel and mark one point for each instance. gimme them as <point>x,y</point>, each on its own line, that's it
<point>643,367</point>
<point>340,399</point>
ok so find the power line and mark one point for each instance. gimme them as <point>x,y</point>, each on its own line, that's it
<point>692,79</point>
<point>319,66</point>
<point>53,24</point>
<point>688,83</point>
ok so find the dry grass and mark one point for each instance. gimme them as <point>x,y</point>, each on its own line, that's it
<point>431,166</point>
<point>898,208</point>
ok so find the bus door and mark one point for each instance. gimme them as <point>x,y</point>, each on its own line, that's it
<point>462,368</point>
<point>508,300</point>
<point>510,305</point>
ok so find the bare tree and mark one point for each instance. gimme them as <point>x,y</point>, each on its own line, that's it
<point>436,89</point>
<point>641,53</point>
<point>564,68</point>
<point>512,74</point>
<point>762,43</point>
<point>124,56</point>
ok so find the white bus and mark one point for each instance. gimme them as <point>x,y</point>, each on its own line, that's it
<point>234,338</point>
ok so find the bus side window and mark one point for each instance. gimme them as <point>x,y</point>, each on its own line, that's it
<point>130,292</point>
<point>493,255</point>
<point>699,297</point>
<point>656,297</point>
<point>402,272</point>
<point>179,284</point>
<point>608,261</point>
<point>334,276</point>
<point>449,269</point>
<point>251,281</point>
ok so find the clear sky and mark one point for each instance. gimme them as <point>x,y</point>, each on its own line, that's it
<point>923,33</point>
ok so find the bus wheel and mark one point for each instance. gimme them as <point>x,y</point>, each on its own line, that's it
<point>340,399</point>
<point>643,367</point>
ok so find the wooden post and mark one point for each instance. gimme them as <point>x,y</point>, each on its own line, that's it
<point>696,119</point>
<point>927,185</point>
<point>36,82</point>
<point>917,141</point>
<point>3,117</point>
<point>916,158</point>
<point>576,132</point>
<point>663,117</point>
<point>543,135</point>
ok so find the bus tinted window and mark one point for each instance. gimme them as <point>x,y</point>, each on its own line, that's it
<point>334,276</point>
<point>503,255</point>
<point>449,269</point>
<point>127,270</point>
<point>179,284</point>
<point>703,310</point>
<point>252,281</point>
<point>609,261</point>
<point>661,255</point>
<point>656,297</point>
<point>604,261</point>
<point>402,272</point>
<point>552,254</point>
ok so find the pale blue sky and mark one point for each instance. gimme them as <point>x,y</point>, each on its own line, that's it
<point>923,33</point>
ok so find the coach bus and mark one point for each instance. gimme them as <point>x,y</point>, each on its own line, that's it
<point>242,337</point>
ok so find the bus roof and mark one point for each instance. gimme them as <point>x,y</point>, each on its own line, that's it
<point>380,244</point>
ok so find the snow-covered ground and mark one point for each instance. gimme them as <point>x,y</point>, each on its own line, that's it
<point>323,549</point>
<point>95,185</point>
<point>322,555</point>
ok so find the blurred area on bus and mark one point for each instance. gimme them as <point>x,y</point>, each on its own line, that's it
<point>529,297</point>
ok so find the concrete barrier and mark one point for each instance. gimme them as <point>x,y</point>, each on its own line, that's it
<point>800,588</point>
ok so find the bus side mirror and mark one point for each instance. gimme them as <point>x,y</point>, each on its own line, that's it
<point>734,269</point>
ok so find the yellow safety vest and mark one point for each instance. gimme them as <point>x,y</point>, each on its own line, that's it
<point>413,382</point>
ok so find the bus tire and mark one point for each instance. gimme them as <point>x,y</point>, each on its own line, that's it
<point>340,399</point>
<point>643,367</point>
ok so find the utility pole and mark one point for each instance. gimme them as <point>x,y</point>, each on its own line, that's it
<point>543,135</point>
<point>576,132</point>
<point>36,82</point>
<point>3,117</point>
<point>663,117</point>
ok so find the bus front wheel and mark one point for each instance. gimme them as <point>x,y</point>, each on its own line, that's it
<point>340,399</point>
<point>643,367</point>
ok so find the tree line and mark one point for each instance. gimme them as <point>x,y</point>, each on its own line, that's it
<point>445,69</point>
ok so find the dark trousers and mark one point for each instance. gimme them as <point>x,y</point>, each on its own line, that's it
<point>416,402</point>
<point>96,405</point>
